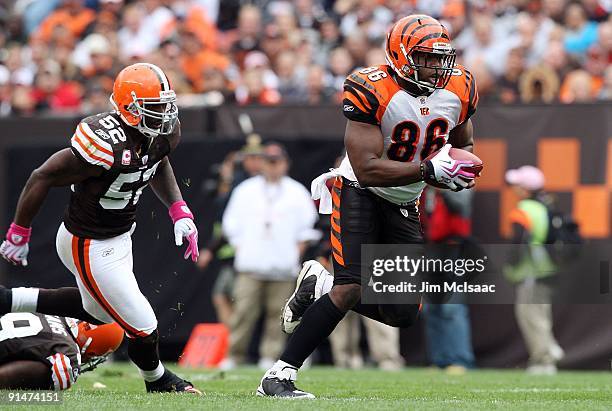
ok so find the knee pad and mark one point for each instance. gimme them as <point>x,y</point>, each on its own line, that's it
<point>399,315</point>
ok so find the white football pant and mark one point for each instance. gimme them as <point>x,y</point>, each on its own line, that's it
<point>104,273</point>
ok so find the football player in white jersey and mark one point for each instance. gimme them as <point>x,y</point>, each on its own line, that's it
<point>398,114</point>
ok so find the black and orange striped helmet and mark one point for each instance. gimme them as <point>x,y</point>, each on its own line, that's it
<point>144,99</point>
<point>420,33</point>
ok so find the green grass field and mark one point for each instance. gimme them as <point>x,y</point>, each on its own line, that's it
<point>351,390</point>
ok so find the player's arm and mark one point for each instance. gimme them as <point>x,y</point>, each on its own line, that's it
<point>25,375</point>
<point>462,136</point>
<point>364,147</point>
<point>61,169</point>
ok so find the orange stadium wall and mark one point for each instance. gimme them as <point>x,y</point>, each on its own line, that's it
<point>572,145</point>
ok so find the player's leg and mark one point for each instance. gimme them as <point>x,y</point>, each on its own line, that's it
<point>109,285</point>
<point>65,302</point>
<point>397,227</point>
<point>354,222</point>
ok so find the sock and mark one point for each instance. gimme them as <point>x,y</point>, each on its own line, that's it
<point>153,375</point>
<point>24,299</point>
<point>279,365</point>
<point>143,351</point>
<point>65,302</point>
<point>318,322</point>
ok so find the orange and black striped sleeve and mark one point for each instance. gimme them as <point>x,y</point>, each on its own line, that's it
<point>360,101</point>
<point>471,94</point>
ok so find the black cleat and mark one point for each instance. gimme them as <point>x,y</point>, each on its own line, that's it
<point>281,384</point>
<point>170,382</point>
<point>308,289</point>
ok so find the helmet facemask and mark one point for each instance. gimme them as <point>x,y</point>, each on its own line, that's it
<point>442,55</point>
<point>158,116</point>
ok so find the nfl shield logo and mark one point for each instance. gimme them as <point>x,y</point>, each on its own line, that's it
<point>404,212</point>
<point>126,158</point>
<point>145,159</point>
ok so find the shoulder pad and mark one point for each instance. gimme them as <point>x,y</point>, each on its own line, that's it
<point>463,85</point>
<point>367,93</point>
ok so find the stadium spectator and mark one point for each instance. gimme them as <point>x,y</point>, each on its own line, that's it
<point>532,269</point>
<point>195,59</point>
<point>340,65</point>
<point>135,38</point>
<point>281,217</point>
<point>51,92</point>
<point>369,17</point>
<point>72,15</point>
<point>247,36</point>
<point>317,91</point>
<point>290,76</point>
<point>254,91</point>
<point>539,84</point>
<point>606,90</point>
<point>508,84</point>
<point>581,33</point>
<point>579,87</point>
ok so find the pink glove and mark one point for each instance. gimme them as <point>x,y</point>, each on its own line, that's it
<point>184,227</point>
<point>15,248</point>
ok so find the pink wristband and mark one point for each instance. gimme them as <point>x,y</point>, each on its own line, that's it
<point>18,235</point>
<point>179,210</point>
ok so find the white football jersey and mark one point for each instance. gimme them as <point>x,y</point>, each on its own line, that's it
<point>412,127</point>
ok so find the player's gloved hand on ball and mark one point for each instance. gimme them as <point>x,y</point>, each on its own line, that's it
<point>442,169</point>
<point>184,227</point>
<point>15,248</point>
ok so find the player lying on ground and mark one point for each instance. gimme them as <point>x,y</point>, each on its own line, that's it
<point>398,114</point>
<point>47,352</point>
<point>112,158</point>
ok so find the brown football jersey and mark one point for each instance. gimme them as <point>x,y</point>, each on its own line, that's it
<point>45,338</point>
<point>105,206</point>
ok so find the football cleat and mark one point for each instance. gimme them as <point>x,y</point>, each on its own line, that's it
<point>310,286</point>
<point>170,382</point>
<point>281,384</point>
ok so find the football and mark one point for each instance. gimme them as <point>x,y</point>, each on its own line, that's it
<point>461,155</point>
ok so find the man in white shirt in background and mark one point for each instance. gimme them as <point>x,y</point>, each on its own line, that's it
<point>268,220</point>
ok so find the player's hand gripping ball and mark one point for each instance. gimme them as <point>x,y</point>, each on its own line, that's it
<point>451,168</point>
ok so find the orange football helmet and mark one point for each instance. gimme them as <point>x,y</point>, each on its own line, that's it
<point>416,40</point>
<point>98,340</point>
<point>144,99</point>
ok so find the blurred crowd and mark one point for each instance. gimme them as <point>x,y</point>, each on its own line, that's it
<point>62,55</point>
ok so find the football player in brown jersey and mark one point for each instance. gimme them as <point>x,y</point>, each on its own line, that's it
<point>113,156</point>
<point>42,352</point>
<point>399,113</point>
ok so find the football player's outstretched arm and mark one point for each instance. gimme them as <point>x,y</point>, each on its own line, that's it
<point>462,136</point>
<point>61,169</point>
<point>364,147</point>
